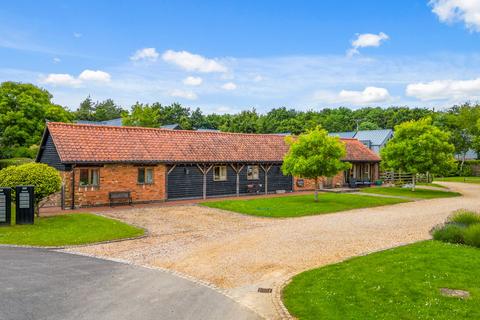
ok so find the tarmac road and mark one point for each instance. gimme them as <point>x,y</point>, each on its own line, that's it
<point>45,284</point>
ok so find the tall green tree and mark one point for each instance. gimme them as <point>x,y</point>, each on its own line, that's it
<point>86,110</point>
<point>313,155</point>
<point>245,121</point>
<point>419,147</point>
<point>368,125</point>
<point>24,110</point>
<point>143,115</point>
<point>98,111</point>
<point>107,110</point>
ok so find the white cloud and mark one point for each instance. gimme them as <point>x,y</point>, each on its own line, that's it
<point>369,95</point>
<point>184,94</point>
<point>56,60</point>
<point>367,40</point>
<point>77,35</point>
<point>445,90</point>
<point>94,75</point>
<point>67,80</point>
<point>192,81</point>
<point>61,79</point>
<point>148,54</point>
<point>466,11</point>
<point>229,86</point>
<point>193,62</point>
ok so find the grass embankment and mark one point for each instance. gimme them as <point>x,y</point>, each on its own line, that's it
<point>70,229</point>
<point>401,283</point>
<point>418,193</point>
<point>296,206</point>
<point>460,179</point>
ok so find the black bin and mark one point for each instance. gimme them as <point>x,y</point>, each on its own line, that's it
<point>24,204</point>
<point>5,206</point>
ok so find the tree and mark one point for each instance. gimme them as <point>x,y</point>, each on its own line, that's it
<point>313,155</point>
<point>98,111</point>
<point>419,147</point>
<point>24,110</point>
<point>367,125</point>
<point>143,115</point>
<point>245,121</point>
<point>86,110</point>
<point>45,179</point>
<point>107,110</point>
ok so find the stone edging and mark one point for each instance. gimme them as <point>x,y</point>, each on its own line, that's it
<point>171,272</point>
<point>71,246</point>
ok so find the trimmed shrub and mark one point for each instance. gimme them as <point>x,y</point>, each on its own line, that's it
<point>465,217</point>
<point>44,178</point>
<point>472,235</point>
<point>450,232</point>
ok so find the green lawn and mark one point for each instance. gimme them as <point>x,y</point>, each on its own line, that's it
<point>460,179</point>
<point>418,193</point>
<point>401,283</point>
<point>296,206</point>
<point>70,229</point>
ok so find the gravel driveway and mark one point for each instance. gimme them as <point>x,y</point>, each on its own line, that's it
<point>241,253</point>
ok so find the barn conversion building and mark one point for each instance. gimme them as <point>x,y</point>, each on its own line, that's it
<point>147,164</point>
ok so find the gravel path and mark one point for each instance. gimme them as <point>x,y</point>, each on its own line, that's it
<point>240,253</point>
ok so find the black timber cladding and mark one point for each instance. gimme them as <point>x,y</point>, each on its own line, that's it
<point>186,181</point>
<point>49,155</point>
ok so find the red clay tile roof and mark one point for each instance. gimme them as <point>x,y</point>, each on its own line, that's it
<point>88,143</point>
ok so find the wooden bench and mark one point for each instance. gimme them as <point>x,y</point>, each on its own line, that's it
<point>119,197</point>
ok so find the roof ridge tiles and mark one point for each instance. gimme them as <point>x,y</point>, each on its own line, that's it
<point>124,128</point>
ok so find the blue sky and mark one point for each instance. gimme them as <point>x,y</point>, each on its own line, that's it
<point>227,56</point>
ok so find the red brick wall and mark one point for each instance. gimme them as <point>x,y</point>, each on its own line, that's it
<point>309,184</point>
<point>115,177</point>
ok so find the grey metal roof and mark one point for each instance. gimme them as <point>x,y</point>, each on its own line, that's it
<point>377,137</point>
<point>173,126</point>
<point>114,122</point>
<point>348,134</point>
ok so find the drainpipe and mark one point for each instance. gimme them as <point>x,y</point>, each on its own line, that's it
<point>72,205</point>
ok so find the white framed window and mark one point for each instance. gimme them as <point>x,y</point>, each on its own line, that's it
<point>252,172</point>
<point>145,176</point>
<point>220,173</point>
<point>89,177</point>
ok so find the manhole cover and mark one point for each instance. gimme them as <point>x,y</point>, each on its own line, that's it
<point>265,290</point>
<point>454,293</point>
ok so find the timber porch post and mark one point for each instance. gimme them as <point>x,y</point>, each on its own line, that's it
<point>237,168</point>
<point>205,169</point>
<point>266,169</point>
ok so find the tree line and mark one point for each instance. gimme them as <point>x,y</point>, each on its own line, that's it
<point>25,108</point>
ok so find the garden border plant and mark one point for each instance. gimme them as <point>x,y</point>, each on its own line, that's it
<point>462,227</point>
